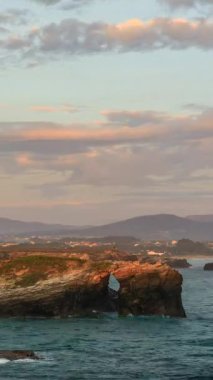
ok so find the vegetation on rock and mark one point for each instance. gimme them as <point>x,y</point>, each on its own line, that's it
<point>28,270</point>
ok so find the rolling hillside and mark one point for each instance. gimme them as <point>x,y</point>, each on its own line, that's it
<point>150,227</point>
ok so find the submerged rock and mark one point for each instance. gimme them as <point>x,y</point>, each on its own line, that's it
<point>18,355</point>
<point>208,266</point>
<point>82,288</point>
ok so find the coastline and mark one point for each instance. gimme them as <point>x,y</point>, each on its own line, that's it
<point>199,257</point>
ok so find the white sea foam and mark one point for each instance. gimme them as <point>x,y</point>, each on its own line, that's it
<point>25,360</point>
<point>4,361</point>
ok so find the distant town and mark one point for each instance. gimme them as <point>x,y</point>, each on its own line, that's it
<point>130,245</point>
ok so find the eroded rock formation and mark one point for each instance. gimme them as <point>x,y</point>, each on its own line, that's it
<point>149,290</point>
<point>68,286</point>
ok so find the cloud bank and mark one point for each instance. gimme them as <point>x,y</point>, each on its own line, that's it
<point>127,157</point>
<point>73,37</point>
<point>121,128</point>
<point>172,3</point>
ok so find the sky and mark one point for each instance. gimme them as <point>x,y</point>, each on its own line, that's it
<point>106,109</point>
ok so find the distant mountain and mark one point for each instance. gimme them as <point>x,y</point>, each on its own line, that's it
<point>201,218</point>
<point>151,227</point>
<point>8,227</point>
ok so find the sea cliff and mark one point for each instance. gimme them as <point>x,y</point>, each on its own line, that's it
<point>68,285</point>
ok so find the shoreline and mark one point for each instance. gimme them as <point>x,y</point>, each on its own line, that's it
<point>197,257</point>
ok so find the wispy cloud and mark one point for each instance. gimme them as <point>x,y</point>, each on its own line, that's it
<point>64,108</point>
<point>186,3</point>
<point>66,4</point>
<point>69,4</point>
<point>149,127</point>
<point>137,118</point>
<point>47,2</point>
<point>14,16</point>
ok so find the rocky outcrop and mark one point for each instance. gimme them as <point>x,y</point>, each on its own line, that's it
<point>18,355</point>
<point>80,287</point>
<point>149,290</point>
<point>208,266</point>
<point>173,262</point>
<point>177,263</point>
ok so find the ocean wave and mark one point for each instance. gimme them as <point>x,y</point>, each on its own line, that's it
<point>26,360</point>
<point>4,361</point>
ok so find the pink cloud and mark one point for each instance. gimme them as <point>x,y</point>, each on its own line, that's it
<point>65,108</point>
<point>73,37</point>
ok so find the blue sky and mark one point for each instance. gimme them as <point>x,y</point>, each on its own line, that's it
<point>105,109</point>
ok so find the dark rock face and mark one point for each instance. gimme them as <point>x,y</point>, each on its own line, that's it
<point>59,298</point>
<point>208,266</point>
<point>177,263</point>
<point>145,289</point>
<point>173,262</point>
<point>17,355</point>
<point>152,290</point>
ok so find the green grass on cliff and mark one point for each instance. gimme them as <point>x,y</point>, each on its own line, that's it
<point>30,279</point>
<point>37,268</point>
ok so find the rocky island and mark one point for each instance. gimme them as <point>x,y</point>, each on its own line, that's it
<point>208,266</point>
<point>18,355</point>
<point>51,285</point>
<point>177,263</point>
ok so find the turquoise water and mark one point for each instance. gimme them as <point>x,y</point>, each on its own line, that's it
<point>118,348</point>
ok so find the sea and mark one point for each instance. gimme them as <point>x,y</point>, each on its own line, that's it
<point>117,348</point>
